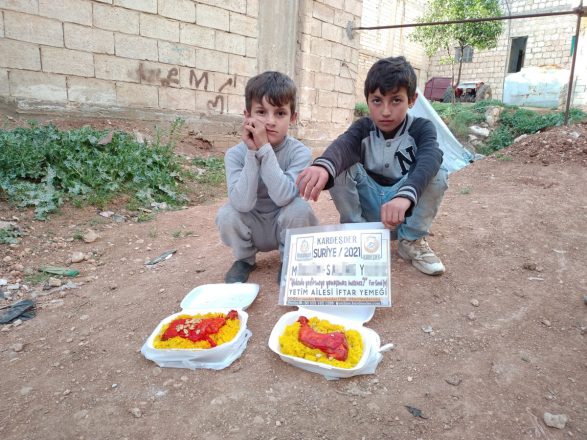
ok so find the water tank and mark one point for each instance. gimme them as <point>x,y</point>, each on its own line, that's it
<point>536,87</point>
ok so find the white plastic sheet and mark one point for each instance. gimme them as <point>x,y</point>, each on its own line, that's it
<point>455,155</point>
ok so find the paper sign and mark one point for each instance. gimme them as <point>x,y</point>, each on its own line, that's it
<point>347,264</point>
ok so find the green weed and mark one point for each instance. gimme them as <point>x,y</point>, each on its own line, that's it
<point>43,167</point>
<point>361,109</point>
<point>465,190</point>
<point>210,170</point>
<point>10,235</point>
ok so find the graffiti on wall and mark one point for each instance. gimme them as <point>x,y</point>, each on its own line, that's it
<point>157,76</point>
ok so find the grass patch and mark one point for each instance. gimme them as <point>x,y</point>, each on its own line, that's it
<point>10,235</point>
<point>361,109</point>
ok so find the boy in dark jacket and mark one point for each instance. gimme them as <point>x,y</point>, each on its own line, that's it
<point>386,167</point>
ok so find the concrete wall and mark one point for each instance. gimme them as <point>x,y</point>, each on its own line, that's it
<point>548,44</point>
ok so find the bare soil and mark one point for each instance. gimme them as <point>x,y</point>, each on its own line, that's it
<point>508,321</point>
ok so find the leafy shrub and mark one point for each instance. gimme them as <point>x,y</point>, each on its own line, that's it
<point>42,166</point>
<point>361,109</point>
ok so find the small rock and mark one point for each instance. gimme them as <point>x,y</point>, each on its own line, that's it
<point>77,257</point>
<point>136,412</point>
<point>81,414</point>
<point>428,329</point>
<point>278,423</point>
<point>475,302</point>
<point>17,323</point>
<point>453,380</point>
<point>54,282</point>
<point>585,299</point>
<point>546,322</point>
<point>25,390</point>
<point>90,236</point>
<point>17,347</point>
<point>555,420</point>
<point>471,316</point>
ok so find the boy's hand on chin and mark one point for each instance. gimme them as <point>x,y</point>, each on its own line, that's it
<point>311,182</point>
<point>254,134</point>
<point>393,213</point>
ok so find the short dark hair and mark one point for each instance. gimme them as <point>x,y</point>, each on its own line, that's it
<point>391,74</point>
<point>276,87</point>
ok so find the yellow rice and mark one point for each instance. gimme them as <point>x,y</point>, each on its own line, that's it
<point>290,345</point>
<point>226,334</point>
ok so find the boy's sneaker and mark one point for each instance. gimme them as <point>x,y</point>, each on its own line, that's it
<point>239,272</point>
<point>422,257</point>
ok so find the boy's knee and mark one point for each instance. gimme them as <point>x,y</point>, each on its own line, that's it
<point>226,217</point>
<point>440,181</point>
<point>298,213</point>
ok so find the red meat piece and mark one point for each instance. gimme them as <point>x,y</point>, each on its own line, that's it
<point>333,344</point>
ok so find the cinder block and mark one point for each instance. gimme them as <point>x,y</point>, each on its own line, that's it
<point>137,95</point>
<point>68,62</point>
<point>76,11</point>
<point>174,53</point>
<point>211,60</point>
<point>117,69</point>
<point>159,74</point>
<point>329,65</point>
<point>231,5</point>
<point>4,87</point>
<point>321,114</point>
<point>231,43</point>
<point>331,32</point>
<point>324,81</point>
<point>29,6</point>
<point>37,85</point>
<point>133,46</point>
<point>336,4</point>
<point>197,36</point>
<point>323,12</point>
<point>354,7</point>
<point>1,24</point>
<point>242,65</point>
<point>116,19</point>
<point>251,47</point>
<point>345,100</point>
<point>183,10</point>
<point>104,1</point>
<point>91,90</point>
<point>139,5</point>
<point>87,38</point>
<point>211,102</point>
<point>321,48</point>
<point>344,85</point>
<point>327,98</point>
<point>25,27</point>
<point>226,84</point>
<point>196,79</point>
<point>210,16</point>
<point>342,116</point>
<point>19,55</point>
<point>252,8</point>
<point>243,25</point>
<point>160,28</point>
<point>177,99</point>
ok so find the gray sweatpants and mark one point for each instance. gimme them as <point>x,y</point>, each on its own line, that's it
<point>250,232</point>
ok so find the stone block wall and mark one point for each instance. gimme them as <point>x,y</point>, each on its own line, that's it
<point>326,68</point>
<point>376,44</point>
<point>158,56</point>
<point>548,44</point>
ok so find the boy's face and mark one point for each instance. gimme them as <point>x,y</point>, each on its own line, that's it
<point>275,119</point>
<point>388,111</point>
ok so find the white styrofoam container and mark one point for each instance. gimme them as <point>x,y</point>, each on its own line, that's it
<point>208,298</point>
<point>351,318</point>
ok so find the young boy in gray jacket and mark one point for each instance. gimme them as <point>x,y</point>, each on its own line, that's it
<point>261,173</point>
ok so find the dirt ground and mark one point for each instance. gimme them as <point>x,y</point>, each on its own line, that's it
<point>506,343</point>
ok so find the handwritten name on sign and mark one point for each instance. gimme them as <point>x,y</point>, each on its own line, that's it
<point>343,266</point>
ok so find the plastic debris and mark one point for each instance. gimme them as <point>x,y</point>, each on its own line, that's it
<point>164,256</point>
<point>60,271</point>
<point>23,310</point>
